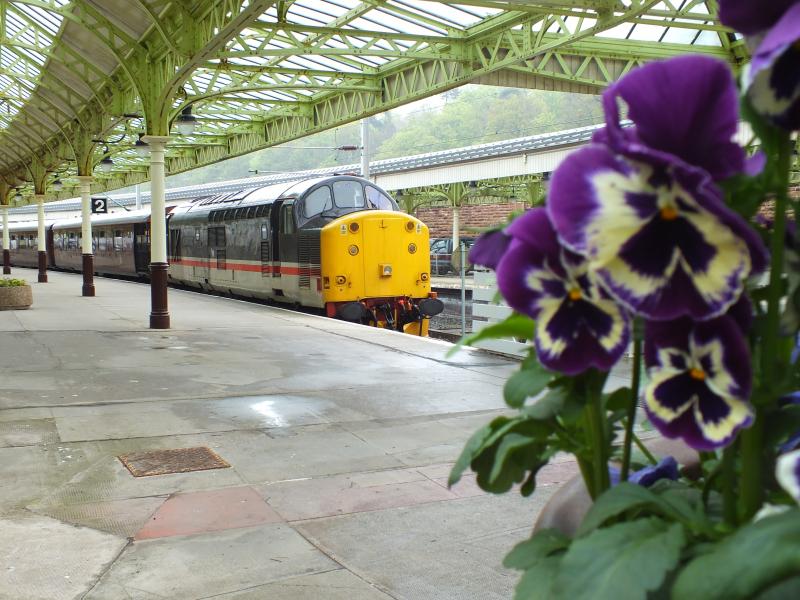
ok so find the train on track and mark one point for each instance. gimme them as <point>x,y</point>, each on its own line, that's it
<point>339,244</point>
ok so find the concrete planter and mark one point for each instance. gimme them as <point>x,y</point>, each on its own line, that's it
<point>16,297</point>
<point>569,504</point>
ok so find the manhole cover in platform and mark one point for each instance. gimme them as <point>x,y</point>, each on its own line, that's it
<point>178,460</point>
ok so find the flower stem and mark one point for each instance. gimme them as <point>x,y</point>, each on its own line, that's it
<point>728,483</point>
<point>751,484</point>
<point>645,450</point>
<point>630,418</point>
<point>596,429</point>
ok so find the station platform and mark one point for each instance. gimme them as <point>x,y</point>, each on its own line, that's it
<point>333,443</point>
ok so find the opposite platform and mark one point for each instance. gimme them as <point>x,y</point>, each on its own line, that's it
<point>339,440</point>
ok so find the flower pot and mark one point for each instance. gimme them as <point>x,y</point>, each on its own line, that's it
<point>16,297</point>
<point>569,504</point>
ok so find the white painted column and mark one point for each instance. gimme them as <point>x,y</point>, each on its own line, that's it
<point>159,313</point>
<point>87,253</point>
<point>158,222</point>
<point>42,240</point>
<point>85,183</point>
<point>6,242</point>
<point>6,236</point>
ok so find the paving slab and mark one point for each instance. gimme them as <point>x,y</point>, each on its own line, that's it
<point>201,512</point>
<point>331,585</point>
<point>436,551</point>
<point>204,565</point>
<point>44,559</point>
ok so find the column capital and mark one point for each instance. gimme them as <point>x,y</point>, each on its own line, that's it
<point>85,178</point>
<point>157,142</point>
<point>39,197</point>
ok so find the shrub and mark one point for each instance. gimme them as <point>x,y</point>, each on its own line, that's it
<point>5,282</point>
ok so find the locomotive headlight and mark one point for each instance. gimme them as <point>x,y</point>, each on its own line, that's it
<point>412,247</point>
<point>353,250</point>
<point>410,226</point>
<point>354,227</point>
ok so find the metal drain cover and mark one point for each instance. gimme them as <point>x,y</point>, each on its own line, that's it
<point>178,460</point>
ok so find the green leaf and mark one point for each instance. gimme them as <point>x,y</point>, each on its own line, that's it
<point>623,562</point>
<point>515,326</point>
<point>548,405</point>
<point>751,560</point>
<point>537,582</point>
<point>475,444</point>
<point>623,498</point>
<point>526,383</point>
<point>541,545</point>
<point>618,399</point>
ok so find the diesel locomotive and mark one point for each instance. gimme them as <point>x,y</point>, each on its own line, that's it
<point>338,244</point>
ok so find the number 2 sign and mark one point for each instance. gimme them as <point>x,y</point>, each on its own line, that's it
<point>99,206</point>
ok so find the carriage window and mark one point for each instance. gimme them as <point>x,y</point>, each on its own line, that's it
<point>348,194</point>
<point>287,219</point>
<point>101,241</point>
<point>72,242</point>
<point>197,235</point>
<point>13,242</point>
<point>317,201</point>
<point>118,240</point>
<point>264,232</point>
<point>378,199</point>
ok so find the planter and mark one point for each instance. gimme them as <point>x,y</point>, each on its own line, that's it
<point>16,297</point>
<point>570,503</point>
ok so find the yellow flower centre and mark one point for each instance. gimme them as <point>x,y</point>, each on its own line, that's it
<point>575,294</point>
<point>698,374</point>
<point>669,213</point>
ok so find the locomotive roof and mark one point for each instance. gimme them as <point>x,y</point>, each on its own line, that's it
<point>263,195</point>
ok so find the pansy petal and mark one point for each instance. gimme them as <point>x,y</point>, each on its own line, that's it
<point>749,17</point>
<point>489,248</point>
<point>667,468</point>
<point>700,383</point>
<point>788,473</point>
<point>687,107</point>
<point>693,263</point>
<point>773,78</point>
<point>524,276</point>
<point>572,336</point>
<point>534,228</point>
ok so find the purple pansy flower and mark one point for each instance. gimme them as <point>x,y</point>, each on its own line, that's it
<point>787,473</point>
<point>773,78</point>
<point>577,325</point>
<point>794,440</point>
<point>667,468</point>
<point>700,378</point>
<point>489,248</point>
<point>641,203</point>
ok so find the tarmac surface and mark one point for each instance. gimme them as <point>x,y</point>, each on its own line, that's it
<point>339,439</point>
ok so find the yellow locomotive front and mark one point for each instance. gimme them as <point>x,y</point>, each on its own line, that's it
<point>375,269</point>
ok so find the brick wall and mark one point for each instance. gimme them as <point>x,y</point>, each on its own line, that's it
<point>439,219</point>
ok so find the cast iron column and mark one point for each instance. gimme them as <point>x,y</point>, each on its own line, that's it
<point>87,253</point>
<point>159,313</point>
<point>42,241</point>
<point>6,244</point>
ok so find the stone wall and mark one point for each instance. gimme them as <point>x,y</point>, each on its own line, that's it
<point>439,219</point>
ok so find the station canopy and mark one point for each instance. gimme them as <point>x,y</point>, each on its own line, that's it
<point>81,80</point>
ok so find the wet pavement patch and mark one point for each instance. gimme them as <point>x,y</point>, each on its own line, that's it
<point>177,460</point>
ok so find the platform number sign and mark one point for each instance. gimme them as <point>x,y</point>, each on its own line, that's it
<point>99,206</point>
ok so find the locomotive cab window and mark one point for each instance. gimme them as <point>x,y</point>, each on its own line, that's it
<point>348,194</point>
<point>317,201</point>
<point>378,199</point>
